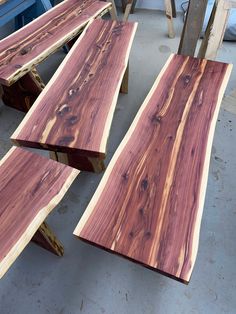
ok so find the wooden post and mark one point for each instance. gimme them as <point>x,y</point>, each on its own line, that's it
<point>125,82</point>
<point>169,15</point>
<point>215,29</point>
<point>123,5</point>
<point>45,238</point>
<point>192,27</point>
<point>133,6</point>
<point>113,11</point>
<point>22,94</point>
<point>173,7</point>
<point>127,10</point>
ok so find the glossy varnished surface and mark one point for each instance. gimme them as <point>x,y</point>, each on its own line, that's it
<point>27,47</point>
<point>149,204</point>
<point>73,114</point>
<point>30,187</point>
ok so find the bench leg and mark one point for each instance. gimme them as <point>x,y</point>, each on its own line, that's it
<point>133,6</point>
<point>123,5</point>
<point>79,162</point>
<point>173,7</point>
<point>215,31</point>
<point>125,82</point>
<point>127,10</point>
<point>22,94</point>
<point>45,238</point>
<point>169,15</point>
<point>35,74</point>
<point>113,11</point>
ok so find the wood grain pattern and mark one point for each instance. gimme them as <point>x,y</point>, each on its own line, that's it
<point>30,45</point>
<point>79,101</point>
<point>30,187</point>
<point>149,203</point>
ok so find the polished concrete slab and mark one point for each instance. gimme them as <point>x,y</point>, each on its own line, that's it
<point>89,280</point>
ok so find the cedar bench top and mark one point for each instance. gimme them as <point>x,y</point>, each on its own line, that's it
<point>149,203</point>
<point>34,42</point>
<point>30,187</point>
<point>74,112</point>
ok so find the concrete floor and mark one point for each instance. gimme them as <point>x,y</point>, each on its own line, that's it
<point>89,280</point>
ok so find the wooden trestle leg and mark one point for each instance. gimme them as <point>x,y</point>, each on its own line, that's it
<point>45,238</point>
<point>169,16</point>
<point>22,94</point>
<point>113,11</point>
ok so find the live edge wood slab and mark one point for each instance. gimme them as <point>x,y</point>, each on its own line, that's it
<point>73,114</point>
<point>149,204</point>
<point>24,49</point>
<point>31,44</point>
<point>30,187</point>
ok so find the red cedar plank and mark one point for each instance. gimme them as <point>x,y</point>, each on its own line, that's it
<point>79,101</point>
<point>30,187</point>
<point>31,44</point>
<point>149,204</point>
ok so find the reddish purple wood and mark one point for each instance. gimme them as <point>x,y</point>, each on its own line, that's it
<point>149,203</point>
<point>73,114</point>
<point>27,47</point>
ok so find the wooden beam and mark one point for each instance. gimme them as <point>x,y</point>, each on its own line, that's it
<point>133,6</point>
<point>169,16</point>
<point>123,4</point>
<point>127,10</point>
<point>30,187</point>
<point>27,47</point>
<point>148,205</point>
<point>192,27</point>
<point>45,238</point>
<point>113,11</point>
<point>79,101</point>
<point>215,31</point>
<point>173,7</point>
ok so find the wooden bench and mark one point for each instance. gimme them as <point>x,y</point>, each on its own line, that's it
<point>24,49</point>
<point>30,187</point>
<point>73,114</point>
<point>149,203</point>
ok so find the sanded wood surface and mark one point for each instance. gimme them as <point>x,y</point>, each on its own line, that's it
<point>30,45</point>
<point>30,187</point>
<point>74,112</point>
<point>149,203</point>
